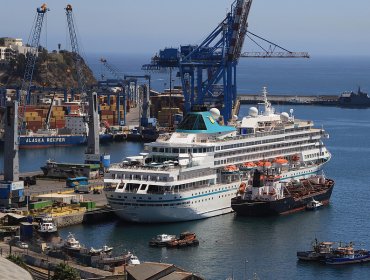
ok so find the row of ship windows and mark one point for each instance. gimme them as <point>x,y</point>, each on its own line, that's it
<point>182,150</point>
<point>260,155</point>
<point>193,194</point>
<point>171,204</point>
<point>250,150</point>
<point>238,145</point>
<point>314,155</point>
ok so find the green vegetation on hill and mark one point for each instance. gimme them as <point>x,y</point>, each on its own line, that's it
<point>51,70</point>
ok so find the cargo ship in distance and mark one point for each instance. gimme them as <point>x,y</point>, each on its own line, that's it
<point>194,172</point>
<point>74,133</point>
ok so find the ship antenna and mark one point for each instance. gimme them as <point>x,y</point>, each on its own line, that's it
<point>268,107</point>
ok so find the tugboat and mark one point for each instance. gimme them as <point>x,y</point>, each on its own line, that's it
<point>186,239</point>
<point>320,251</point>
<point>265,194</point>
<point>161,240</point>
<point>325,252</point>
<point>347,255</point>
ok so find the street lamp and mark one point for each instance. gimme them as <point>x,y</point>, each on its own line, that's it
<point>245,269</point>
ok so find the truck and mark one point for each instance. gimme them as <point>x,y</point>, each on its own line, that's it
<point>82,189</point>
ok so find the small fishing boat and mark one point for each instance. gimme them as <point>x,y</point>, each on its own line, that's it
<point>133,260</point>
<point>314,205</point>
<point>47,227</point>
<point>95,252</point>
<point>161,240</point>
<point>104,250</point>
<point>72,243</point>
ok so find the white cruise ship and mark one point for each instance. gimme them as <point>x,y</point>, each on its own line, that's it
<point>194,172</point>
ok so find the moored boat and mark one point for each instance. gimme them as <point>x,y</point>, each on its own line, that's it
<point>265,194</point>
<point>161,240</point>
<point>71,243</point>
<point>320,250</point>
<point>326,253</point>
<point>313,205</point>
<point>186,239</point>
<point>47,227</point>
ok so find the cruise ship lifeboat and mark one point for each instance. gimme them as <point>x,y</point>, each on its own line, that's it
<point>281,161</point>
<point>230,169</point>
<point>248,166</point>
<point>264,163</point>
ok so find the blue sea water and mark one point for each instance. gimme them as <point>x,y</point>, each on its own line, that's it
<point>317,75</point>
<point>232,245</point>
<point>269,244</point>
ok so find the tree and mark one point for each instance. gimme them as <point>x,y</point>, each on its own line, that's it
<point>65,272</point>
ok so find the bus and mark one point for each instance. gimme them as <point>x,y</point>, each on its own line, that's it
<point>78,181</point>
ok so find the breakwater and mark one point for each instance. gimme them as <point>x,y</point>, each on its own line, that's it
<point>324,100</point>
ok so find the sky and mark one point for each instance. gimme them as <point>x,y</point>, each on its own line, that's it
<point>320,27</point>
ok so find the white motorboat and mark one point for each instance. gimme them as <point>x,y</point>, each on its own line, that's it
<point>72,243</point>
<point>161,240</point>
<point>314,204</point>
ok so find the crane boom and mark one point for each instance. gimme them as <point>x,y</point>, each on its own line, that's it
<point>32,53</point>
<point>275,54</point>
<point>75,50</point>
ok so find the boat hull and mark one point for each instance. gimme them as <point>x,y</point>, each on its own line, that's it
<point>355,259</point>
<point>209,202</point>
<point>34,142</point>
<point>279,207</point>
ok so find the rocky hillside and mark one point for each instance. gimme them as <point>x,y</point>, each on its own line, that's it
<point>51,70</point>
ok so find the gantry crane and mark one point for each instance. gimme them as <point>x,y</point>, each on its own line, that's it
<point>208,70</point>
<point>32,54</point>
<point>126,82</point>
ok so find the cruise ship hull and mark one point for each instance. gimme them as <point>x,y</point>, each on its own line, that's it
<point>279,207</point>
<point>196,205</point>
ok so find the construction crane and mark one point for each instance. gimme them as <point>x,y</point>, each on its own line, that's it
<point>32,54</point>
<point>208,71</point>
<point>76,52</point>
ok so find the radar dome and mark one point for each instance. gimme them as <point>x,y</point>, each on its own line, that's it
<point>284,116</point>
<point>253,111</point>
<point>215,113</point>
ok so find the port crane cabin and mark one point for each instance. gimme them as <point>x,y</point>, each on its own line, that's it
<point>208,70</point>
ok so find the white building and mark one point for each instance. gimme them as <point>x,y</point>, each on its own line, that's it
<point>12,47</point>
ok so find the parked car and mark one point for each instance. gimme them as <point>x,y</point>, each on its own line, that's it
<point>22,245</point>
